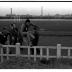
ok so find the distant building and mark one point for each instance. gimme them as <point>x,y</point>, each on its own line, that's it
<point>18,16</point>
<point>10,15</point>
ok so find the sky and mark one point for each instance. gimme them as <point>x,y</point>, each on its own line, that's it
<point>34,8</point>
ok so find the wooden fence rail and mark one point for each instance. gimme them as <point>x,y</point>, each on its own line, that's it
<point>35,51</point>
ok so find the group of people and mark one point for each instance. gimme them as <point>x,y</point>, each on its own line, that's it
<point>28,34</point>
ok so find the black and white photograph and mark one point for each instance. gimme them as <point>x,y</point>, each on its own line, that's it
<point>35,35</point>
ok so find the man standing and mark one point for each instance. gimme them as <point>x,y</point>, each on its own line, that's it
<point>33,32</point>
<point>13,34</point>
<point>5,34</point>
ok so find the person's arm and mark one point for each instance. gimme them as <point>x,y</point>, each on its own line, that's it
<point>36,27</point>
<point>22,28</point>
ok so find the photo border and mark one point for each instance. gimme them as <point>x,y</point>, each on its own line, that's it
<point>35,1</point>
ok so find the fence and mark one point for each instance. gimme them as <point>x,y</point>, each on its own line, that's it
<point>35,52</point>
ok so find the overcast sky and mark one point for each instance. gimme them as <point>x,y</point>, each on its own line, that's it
<point>34,8</point>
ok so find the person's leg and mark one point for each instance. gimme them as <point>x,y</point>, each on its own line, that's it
<point>20,41</point>
<point>25,41</point>
<point>15,40</point>
<point>35,41</point>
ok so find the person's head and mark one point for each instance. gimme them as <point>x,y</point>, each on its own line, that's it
<point>4,30</point>
<point>12,26</point>
<point>27,22</point>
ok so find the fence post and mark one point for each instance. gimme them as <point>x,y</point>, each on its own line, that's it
<point>40,53</point>
<point>68,53</point>
<point>58,50</point>
<point>1,52</point>
<point>17,49</point>
<point>47,53</point>
<point>7,52</point>
<point>34,53</point>
<point>28,52</point>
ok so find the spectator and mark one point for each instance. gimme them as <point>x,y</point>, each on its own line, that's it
<point>4,35</point>
<point>13,34</point>
<point>34,34</point>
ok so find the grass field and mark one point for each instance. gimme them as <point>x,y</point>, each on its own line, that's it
<point>53,25</point>
<point>24,63</point>
<point>56,26</point>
